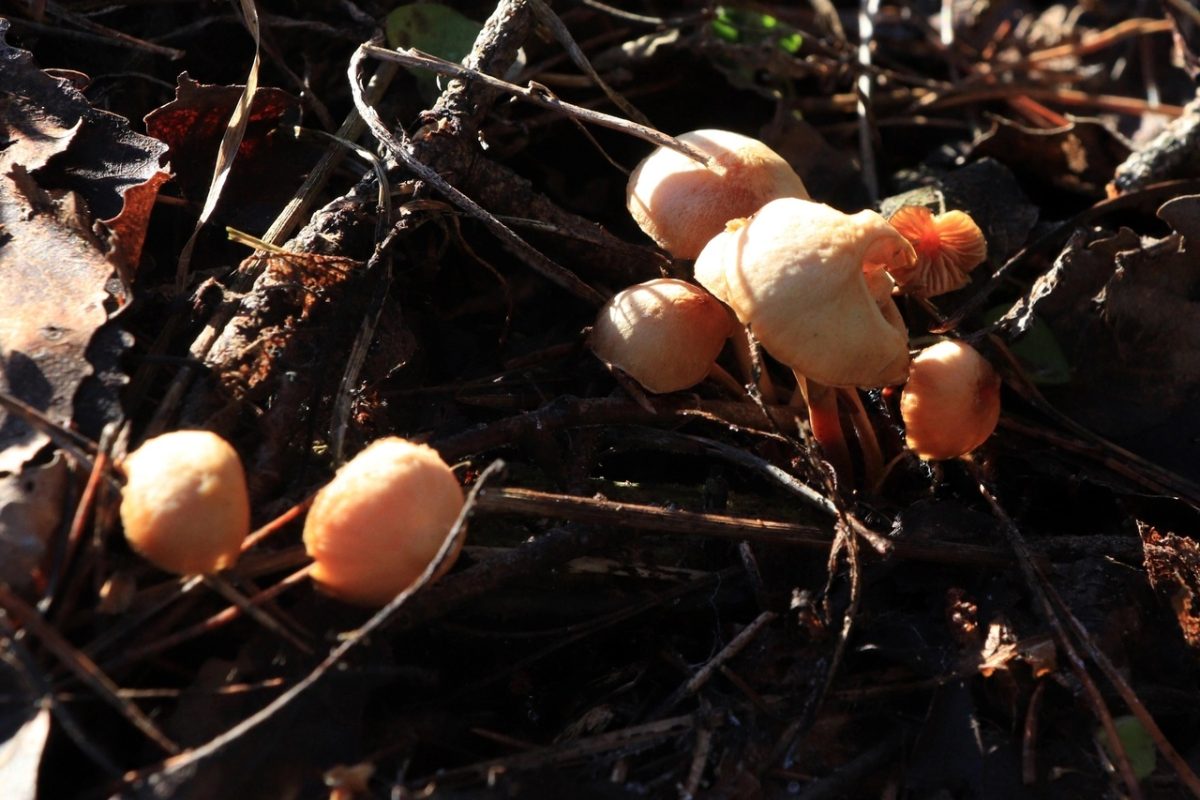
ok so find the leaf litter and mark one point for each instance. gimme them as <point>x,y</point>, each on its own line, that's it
<point>1005,631</point>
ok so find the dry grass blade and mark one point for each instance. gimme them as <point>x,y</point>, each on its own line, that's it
<point>230,142</point>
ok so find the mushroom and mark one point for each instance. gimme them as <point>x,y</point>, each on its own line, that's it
<point>794,273</point>
<point>378,524</point>
<point>666,334</point>
<point>797,273</point>
<point>951,403</point>
<point>681,203</point>
<point>948,247</point>
<point>185,506</point>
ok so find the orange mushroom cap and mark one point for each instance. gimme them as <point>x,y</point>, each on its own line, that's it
<point>951,403</point>
<point>794,272</point>
<point>681,203</point>
<point>185,506</point>
<point>377,525</point>
<point>948,247</point>
<point>665,333</point>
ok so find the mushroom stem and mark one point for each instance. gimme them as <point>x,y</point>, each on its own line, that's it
<point>745,356</point>
<point>868,443</point>
<point>719,374</point>
<point>826,425</point>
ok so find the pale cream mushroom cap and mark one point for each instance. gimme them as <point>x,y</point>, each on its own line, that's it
<point>665,333</point>
<point>951,403</point>
<point>794,273</point>
<point>185,506</point>
<point>378,524</point>
<point>681,203</point>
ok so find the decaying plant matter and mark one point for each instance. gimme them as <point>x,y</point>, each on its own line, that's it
<point>666,590</point>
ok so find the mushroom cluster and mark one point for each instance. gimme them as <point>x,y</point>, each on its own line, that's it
<point>814,285</point>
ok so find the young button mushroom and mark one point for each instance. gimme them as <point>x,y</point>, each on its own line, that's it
<point>666,334</point>
<point>377,525</point>
<point>681,203</point>
<point>948,247</point>
<point>185,506</point>
<point>951,403</point>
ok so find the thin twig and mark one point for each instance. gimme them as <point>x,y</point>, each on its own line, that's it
<point>1038,586</point>
<point>1098,657</point>
<point>536,94</point>
<point>84,668</point>
<point>735,646</point>
<point>400,148</point>
<point>564,37</point>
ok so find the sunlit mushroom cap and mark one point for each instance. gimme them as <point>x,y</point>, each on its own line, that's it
<point>664,333</point>
<point>378,524</point>
<point>951,403</point>
<point>794,273</point>
<point>681,203</point>
<point>948,247</point>
<point>185,506</point>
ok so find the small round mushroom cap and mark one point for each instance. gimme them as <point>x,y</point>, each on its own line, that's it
<point>948,247</point>
<point>665,333</point>
<point>185,506</point>
<point>951,403</point>
<point>794,272</point>
<point>681,203</point>
<point>377,525</point>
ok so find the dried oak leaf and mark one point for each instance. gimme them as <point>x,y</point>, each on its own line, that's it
<point>1173,568</point>
<point>63,162</point>
<point>269,166</point>
<point>31,504</point>
<point>1079,157</point>
<point>1126,312</point>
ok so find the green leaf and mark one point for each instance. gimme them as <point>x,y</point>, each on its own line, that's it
<point>723,27</point>
<point>752,27</point>
<point>1137,744</point>
<point>435,29</point>
<point>1039,352</point>
<point>791,43</point>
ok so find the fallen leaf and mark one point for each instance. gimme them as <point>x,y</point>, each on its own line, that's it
<point>63,164</point>
<point>1173,569</point>
<point>21,758</point>
<point>1079,157</point>
<point>269,167</point>
<point>1126,312</point>
<point>30,508</point>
